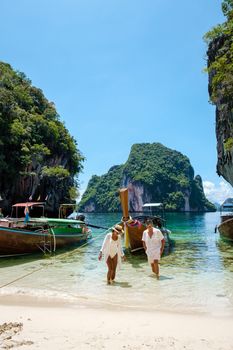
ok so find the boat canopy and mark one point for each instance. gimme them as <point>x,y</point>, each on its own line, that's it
<point>227,205</point>
<point>65,208</point>
<point>147,205</point>
<point>28,204</point>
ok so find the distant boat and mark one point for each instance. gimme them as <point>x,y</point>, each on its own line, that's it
<point>135,226</point>
<point>225,228</point>
<point>18,237</point>
<point>68,211</point>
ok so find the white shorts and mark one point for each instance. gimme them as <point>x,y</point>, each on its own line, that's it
<point>155,255</point>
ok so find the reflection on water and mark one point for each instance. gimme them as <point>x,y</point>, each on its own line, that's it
<point>196,276</point>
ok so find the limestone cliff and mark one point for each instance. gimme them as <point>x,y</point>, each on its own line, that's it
<point>152,173</point>
<point>220,69</point>
<point>39,159</point>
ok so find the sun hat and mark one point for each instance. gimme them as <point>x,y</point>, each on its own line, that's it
<point>118,229</point>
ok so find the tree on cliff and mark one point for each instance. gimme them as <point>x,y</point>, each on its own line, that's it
<point>153,173</point>
<point>220,70</point>
<point>38,156</point>
<point>227,8</point>
<point>220,64</point>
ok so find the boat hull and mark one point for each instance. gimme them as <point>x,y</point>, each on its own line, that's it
<point>135,237</point>
<point>19,241</point>
<point>226,229</point>
<point>16,241</point>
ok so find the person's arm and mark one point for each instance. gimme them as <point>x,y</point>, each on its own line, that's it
<point>144,245</point>
<point>120,249</point>
<point>143,241</point>
<point>162,246</point>
<point>162,239</point>
<point>103,247</point>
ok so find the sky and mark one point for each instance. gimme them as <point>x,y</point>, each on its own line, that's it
<point>121,72</point>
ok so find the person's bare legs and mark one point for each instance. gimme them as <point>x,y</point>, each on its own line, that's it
<point>114,266</point>
<point>155,268</point>
<point>110,268</point>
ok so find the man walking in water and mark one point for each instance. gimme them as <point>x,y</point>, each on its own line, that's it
<point>153,242</point>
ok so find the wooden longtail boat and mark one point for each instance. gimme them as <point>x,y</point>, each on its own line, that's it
<point>225,228</point>
<point>134,227</point>
<point>18,237</point>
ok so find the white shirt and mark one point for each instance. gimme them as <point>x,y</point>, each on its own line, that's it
<point>153,244</point>
<point>106,248</point>
<point>113,247</point>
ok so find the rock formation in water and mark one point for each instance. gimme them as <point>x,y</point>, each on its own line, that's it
<point>152,173</point>
<point>39,159</point>
<point>220,69</point>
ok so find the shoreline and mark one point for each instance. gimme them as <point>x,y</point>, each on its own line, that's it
<point>55,326</point>
<point>26,300</point>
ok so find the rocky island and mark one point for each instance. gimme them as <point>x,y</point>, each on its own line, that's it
<point>152,173</point>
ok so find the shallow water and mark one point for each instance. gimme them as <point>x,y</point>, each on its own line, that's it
<point>196,276</point>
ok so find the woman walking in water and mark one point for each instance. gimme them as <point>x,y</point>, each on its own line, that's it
<point>112,251</point>
<point>153,242</point>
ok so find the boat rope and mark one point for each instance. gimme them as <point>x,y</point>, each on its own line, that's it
<point>54,239</point>
<point>21,277</point>
<point>51,263</point>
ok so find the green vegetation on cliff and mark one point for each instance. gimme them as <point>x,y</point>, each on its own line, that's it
<point>220,53</point>
<point>33,140</point>
<point>161,174</point>
<point>103,190</point>
<point>220,70</point>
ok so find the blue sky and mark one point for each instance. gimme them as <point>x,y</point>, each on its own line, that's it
<point>120,72</point>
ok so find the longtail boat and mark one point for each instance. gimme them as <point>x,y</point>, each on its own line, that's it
<point>19,236</point>
<point>225,228</point>
<point>134,226</point>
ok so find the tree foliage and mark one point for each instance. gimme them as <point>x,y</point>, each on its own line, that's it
<point>220,65</point>
<point>31,132</point>
<point>227,8</point>
<point>103,190</point>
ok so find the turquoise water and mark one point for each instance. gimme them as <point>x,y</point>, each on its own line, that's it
<point>196,276</point>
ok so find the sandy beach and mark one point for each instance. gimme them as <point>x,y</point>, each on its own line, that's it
<point>64,303</point>
<point>39,326</point>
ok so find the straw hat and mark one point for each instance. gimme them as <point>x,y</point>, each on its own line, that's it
<point>118,229</point>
